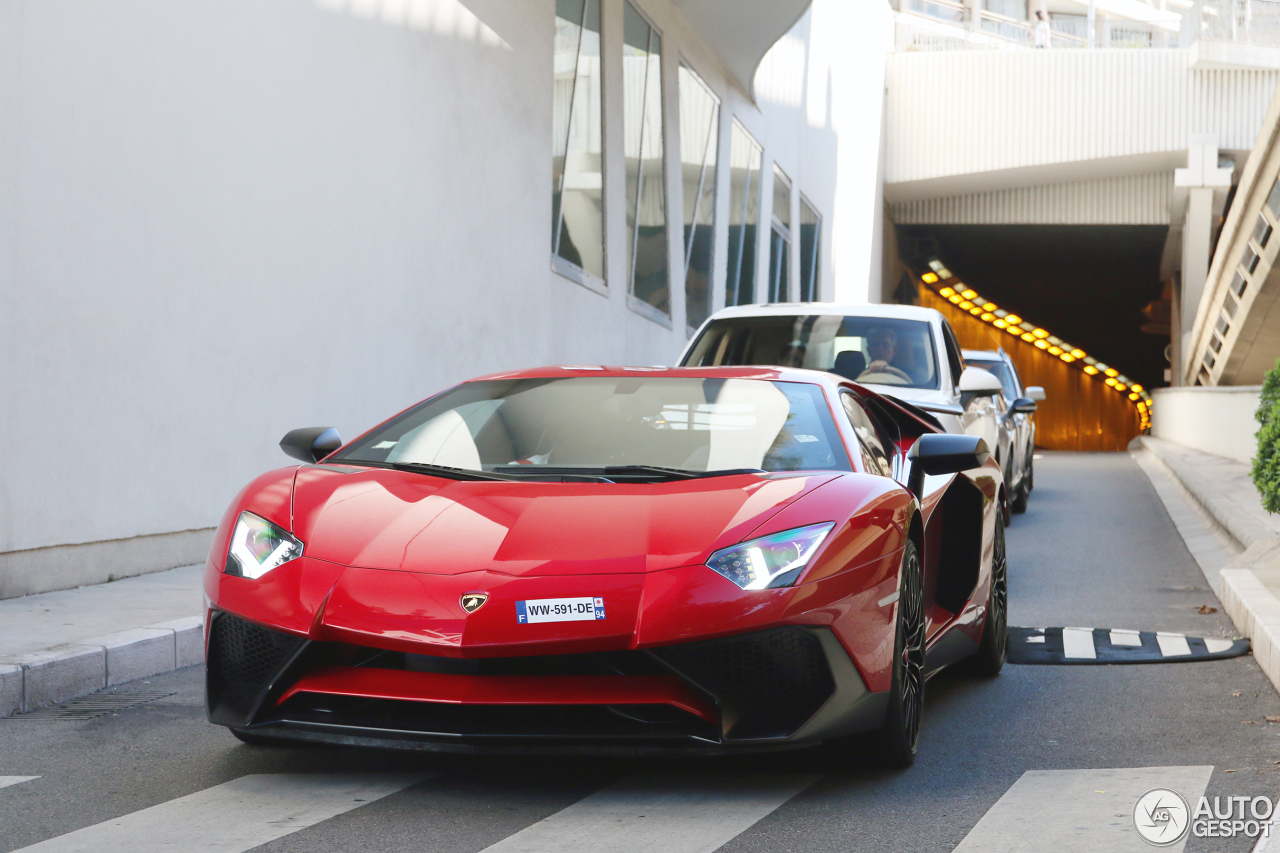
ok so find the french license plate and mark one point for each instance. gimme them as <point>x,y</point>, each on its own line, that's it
<point>559,610</point>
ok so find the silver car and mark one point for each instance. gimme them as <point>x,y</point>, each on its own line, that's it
<point>1015,407</point>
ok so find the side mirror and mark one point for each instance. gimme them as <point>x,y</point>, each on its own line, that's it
<point>944,453</point>
<point>979,382</point>
<point>1024,405</point>
<point>1035,392</point>
<point>976,382</point>
<point>311,444</point>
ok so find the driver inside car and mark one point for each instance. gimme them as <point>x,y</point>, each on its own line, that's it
<point>882,349</point>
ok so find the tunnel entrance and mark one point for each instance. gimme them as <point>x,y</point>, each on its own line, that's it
<point>1088,284</point>
<point>1088,309</point>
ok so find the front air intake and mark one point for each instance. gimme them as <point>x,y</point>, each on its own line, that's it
<point>769,682</point>
<point>244,659</point>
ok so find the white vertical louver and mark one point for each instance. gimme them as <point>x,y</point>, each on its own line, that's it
<point>969,112</point>
<point>1129,200</point>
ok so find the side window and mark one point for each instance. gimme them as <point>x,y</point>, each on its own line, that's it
<point>577,201</point>
<point>1017,380</point>
<point>874,458</point>
<point>953,353</point>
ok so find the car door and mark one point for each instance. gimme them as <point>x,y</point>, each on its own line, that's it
<point>1019,424</point>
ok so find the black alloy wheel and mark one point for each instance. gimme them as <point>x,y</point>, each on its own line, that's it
<point>989,659</point>
<point>899,738</point>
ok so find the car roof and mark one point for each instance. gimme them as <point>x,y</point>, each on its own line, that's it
<point>775,374</point>
<point>773,309</point>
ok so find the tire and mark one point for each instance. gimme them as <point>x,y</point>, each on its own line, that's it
<point>989,659</point>
<point>1031,475</point>
<point>896,742</point>
<point>1019,502</point>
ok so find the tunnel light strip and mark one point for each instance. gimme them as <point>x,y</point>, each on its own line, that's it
<point>966,299</point>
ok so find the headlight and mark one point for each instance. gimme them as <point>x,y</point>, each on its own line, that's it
<point>771,560</point>
<point>258,546</point>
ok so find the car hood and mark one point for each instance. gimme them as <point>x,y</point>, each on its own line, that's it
<point>384,519</point>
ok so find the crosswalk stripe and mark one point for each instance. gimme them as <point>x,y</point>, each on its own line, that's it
<point>1078,811</point>
<point>1173,645</point>
<point>234,816</point>
<point>6,781</point>
<point>1078,643</point>
<point>659,813</point>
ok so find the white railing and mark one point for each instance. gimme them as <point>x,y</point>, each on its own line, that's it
<point>940,10</point>
<point>1255,22</point>
<point>1002,26</point>
<point>1221,20</point>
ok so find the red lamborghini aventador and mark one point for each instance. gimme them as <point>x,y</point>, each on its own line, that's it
<point>614,560</point>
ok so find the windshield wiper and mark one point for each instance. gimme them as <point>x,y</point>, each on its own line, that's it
<point>446,471</point>
<point>653,470</point>
<point>675,473</point>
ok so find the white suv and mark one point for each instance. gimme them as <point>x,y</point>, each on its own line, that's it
<point>900,350</point>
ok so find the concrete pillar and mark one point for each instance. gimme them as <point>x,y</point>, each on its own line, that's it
<point>1175,332</point>
<point>1197,226</point>
<point>975,14</point>
<point>1202,188</point>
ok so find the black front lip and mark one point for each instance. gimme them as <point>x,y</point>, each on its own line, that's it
<point>603,746</point>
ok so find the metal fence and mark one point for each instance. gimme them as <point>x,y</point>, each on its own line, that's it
<point>1246,21</point>
<point>1255,22</point>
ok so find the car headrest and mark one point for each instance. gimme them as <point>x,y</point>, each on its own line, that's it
<point>850,364</point>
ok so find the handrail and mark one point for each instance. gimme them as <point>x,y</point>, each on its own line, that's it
<point>945,10</point>
<point>1259,19</point>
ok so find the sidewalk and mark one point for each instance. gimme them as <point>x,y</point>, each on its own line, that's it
<point>1219,513</point>
<point>57,645</point>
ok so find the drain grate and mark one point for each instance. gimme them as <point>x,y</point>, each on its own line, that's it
<point>89,707</point>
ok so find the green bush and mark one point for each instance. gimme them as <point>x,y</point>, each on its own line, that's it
<point>1266,466</point>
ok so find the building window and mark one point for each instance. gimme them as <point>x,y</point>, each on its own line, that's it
<point>745,156</point>
<point>642,130</point>
<point>577,201</point>
<point>810,246</point>
<point>699,138</point>
<point>780,239</point>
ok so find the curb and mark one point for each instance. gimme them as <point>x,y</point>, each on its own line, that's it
<point>1240,526</point>
<point>48,676</point>
<point>1245,584</point>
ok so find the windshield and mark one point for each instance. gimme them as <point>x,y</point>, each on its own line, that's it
<point>874,350</point>
<point>1001,371</point>
<point>597,422</point>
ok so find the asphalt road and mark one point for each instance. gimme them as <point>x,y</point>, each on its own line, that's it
<point>1095,548</point>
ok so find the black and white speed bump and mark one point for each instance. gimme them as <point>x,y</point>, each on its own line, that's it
<point>1057,646</point>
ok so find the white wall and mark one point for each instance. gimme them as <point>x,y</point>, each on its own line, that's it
<point>1029,118</point>
<point>221,220</point>
<point>1212,420</point>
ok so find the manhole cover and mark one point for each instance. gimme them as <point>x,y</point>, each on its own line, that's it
<point>89,707</point>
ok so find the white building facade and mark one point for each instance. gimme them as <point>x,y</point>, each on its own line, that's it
<point>220,221</point>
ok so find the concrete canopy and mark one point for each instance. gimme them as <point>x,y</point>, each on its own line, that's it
<point>740,32</point>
